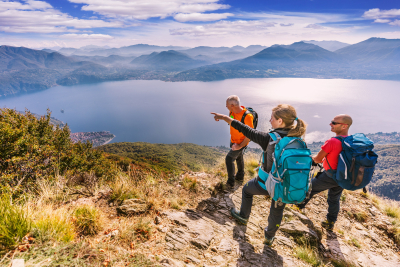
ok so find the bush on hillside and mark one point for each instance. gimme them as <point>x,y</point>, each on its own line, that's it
<point>34,149</point>
<point>14,223</point>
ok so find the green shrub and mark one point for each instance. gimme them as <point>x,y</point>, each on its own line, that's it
<point>53,228</point>
<point>308,255</point>
<point>33,149</point>
<point>14,223</point>
<point>87,220</point>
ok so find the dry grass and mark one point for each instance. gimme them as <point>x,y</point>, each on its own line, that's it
<point>251,162</point>
<point>308,255</point>
<point>88,220</point>
<point>190,183</point>
<point>392,209</point>
<point>360,216</point>
<point>353,241</point>
<point>52,225</point>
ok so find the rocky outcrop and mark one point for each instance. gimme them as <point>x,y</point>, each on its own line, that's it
<point>132,206</point>
<point>208,235</point>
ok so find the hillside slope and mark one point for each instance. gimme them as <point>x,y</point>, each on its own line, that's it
<point>165,157</point>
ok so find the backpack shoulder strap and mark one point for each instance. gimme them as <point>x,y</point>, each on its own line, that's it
<point>275,138</point>
<point>244,116</point>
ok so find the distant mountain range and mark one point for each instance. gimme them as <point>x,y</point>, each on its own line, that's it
<point>24,70</point>
<point>328,45</point>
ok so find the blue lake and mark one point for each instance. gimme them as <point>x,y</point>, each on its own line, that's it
<point>166,112</point>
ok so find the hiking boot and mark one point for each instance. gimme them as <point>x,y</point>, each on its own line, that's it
<point>230,184</point>
<point>239,178</point>
<point>269,241</point>
<point>328,225</point>
<point>236,214</point>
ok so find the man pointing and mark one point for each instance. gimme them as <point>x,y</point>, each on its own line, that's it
<point>238,140</point>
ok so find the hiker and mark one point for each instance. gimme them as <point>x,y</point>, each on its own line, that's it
<point>329,156</point>
<point>284,122</point>
<point>238,141</point>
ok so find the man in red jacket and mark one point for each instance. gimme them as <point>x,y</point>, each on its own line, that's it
<point>329,157</point>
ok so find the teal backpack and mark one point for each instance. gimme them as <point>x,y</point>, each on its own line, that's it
<point>289,180</point>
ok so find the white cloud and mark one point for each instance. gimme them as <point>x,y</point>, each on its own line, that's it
<point>317,116</point>
<point>376,13</point>
<point>286,25</point>
<point>225,28</point>
<point>318,136</point>
<point>395,23</point>
<point>185,10</point>
<point>41,17</point>
<point>201,17</point>
<point>383,16</point>
<point>389,35</point>
<point>314,26</point>
<point>86,36</point>
<point>382,20</point>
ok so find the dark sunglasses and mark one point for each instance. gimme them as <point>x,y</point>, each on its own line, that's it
<point>335,123</point>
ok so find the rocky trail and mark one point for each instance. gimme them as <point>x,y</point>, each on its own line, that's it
<point>208,235</point>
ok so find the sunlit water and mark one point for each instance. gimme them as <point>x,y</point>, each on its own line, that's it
<point>165,112</point>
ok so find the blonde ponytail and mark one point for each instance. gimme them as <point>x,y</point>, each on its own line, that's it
<point>288,115</point>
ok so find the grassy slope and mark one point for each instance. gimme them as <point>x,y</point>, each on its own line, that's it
<point>165,157</point>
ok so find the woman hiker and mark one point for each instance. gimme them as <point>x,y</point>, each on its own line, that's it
<point>284,121</point>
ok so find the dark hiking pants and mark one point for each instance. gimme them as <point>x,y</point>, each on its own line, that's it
<point>321,183</point>
<point>251,189</point>
<point>231,157</point>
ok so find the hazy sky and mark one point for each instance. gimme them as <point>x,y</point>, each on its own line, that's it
<point>76,23</point>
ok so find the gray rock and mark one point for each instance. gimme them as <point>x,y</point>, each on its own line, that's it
<point>218,259</point>
<point>157,220</point>
<point>237,233</point>
<point>374,211</point>
<point>225,245</point>
<point>303,218</point>
<point>132,206</point>
<point>284,241</point>
<point>177,239</point>
<point>18,263</point>
<point>193,259</point>
<point>298,228</point>
<point>171,263</point>
<point>199,232</point>
<point>268,257</point>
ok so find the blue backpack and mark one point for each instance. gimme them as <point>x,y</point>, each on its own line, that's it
<point>289,179</point>
<point>356,162</point>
